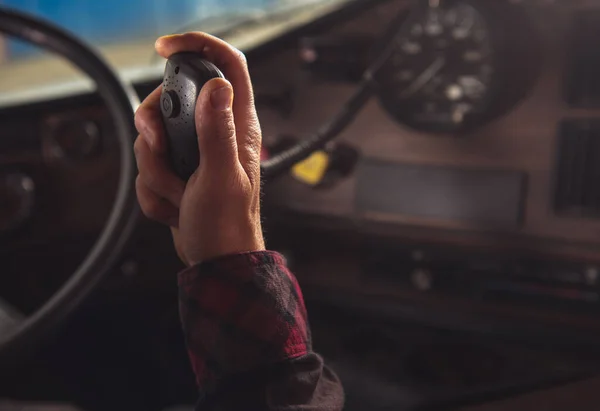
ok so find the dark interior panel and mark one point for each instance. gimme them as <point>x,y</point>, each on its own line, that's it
<point>492,199</point>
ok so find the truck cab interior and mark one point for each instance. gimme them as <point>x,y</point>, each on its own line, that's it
<point>432,176</point>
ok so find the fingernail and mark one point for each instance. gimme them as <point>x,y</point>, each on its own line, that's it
<point>221,98</point>
<point>173,222</point>
<point>164,38</point>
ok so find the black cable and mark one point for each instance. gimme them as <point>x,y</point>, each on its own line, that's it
<point>283,161</point>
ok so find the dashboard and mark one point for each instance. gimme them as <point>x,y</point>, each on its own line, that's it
<point>517,153</point>
<point>472,187</point>
<point>466,187</point>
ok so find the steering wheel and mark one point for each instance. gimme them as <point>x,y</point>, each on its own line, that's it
<point>18,332</point>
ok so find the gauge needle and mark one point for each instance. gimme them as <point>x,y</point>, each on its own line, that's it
<point>424,78</point>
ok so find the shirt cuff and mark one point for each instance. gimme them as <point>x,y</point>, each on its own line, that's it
<point>241,312</point>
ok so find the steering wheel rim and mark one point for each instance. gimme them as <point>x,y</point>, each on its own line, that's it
<point>122,101</point>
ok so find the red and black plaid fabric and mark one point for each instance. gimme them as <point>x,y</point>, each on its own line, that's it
<point>241,312</point>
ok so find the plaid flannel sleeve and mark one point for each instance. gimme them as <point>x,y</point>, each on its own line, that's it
<point>239,313</point>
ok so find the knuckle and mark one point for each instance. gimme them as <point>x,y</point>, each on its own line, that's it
<point>253,170</point>
<point>136,145</point>
<point>238,189</point>
<point>142,115</point>
<point>148,203</point>
<point>241,57</point>
<point>151,204</point>
<point>227,131</point>
<point>139,187</point>
<point>153,209</point>
<point>154,180</point>
<point>254,140</point>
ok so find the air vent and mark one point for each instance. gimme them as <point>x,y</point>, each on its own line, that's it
<point>583,82</point>
<point>578,174</point>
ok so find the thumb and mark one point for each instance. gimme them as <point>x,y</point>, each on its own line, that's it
<point>215,126</point>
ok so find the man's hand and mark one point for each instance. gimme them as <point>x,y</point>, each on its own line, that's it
<point>218,211</point>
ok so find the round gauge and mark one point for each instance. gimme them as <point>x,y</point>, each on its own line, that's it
<point>76,139</point>
<point>446,70</point>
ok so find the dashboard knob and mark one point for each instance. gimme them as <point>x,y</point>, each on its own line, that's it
<point>17,192</point>
<point>75,140</point>
<point>422,279</point>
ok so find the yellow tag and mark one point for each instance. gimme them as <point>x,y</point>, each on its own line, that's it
<point>312,170</point>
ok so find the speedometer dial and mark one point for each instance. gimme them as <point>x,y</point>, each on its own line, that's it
<point>444,73</point>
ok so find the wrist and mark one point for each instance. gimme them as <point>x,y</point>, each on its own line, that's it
<point>225,244</point>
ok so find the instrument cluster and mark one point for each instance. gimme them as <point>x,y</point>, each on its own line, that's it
<point>458,67</point>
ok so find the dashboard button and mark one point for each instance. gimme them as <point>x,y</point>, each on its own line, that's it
<point>170,104</point>
<point>17,192</point>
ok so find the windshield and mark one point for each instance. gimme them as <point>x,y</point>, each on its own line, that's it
<point>125,32</point>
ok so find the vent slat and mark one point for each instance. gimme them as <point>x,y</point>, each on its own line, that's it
<point>582,166</point>
<point>578,174</point>
<point>595,174</point>
<point>582,81</point>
